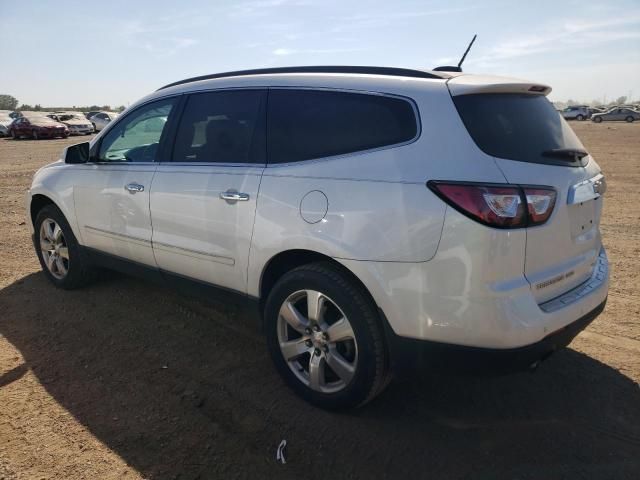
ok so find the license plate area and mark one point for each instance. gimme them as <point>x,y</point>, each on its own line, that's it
<point>583,218</point>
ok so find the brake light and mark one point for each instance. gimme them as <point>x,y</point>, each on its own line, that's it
<point>498,206</point>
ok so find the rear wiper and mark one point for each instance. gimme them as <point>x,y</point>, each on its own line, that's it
<point>572,153</point>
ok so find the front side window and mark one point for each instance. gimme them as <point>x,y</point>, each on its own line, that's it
<point>222,127</point>
<point>137,137</point>
<point>308,124</point>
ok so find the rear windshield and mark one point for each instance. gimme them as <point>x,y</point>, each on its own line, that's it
<point>516,126</point>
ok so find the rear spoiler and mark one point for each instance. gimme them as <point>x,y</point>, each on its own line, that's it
<point>474,84</point>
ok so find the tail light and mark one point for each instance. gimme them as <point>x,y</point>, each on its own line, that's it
<point>496,205</point>
<point>540,203</point>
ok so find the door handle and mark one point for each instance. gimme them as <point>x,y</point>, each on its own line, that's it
<point>234,196</point>
<point>134,188</point>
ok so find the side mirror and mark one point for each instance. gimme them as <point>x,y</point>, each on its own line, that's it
<point>78,153</point>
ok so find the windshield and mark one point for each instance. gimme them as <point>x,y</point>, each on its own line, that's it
<point>516,126</point>
<point>72,116</point>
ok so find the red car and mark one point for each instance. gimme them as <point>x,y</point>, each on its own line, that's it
<point>37,127</point>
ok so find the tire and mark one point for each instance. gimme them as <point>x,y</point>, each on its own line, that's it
<point>629,119</point>
<point>70,273</point>
<point>597,119</point>
<point>361,355</point>
<point>14,136</point>
<point>95,129</point>
<point>580,118</point>
<point>34,135</point>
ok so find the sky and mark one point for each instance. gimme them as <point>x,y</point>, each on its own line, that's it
<point>67,53</point>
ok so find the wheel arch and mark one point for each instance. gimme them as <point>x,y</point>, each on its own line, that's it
<point>38,202</point>
<point>287,260</point>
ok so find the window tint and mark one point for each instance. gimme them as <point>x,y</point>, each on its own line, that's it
<point>222,127</point>
<point>137,136</point>
<point>306,124</point>
<point>516,126</point>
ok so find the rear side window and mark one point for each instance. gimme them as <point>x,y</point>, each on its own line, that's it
<point>516,126</point>
<point>307,124</point>
<point>222,127</point>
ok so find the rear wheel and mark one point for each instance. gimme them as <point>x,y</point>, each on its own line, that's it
<point>580,117</point>
<point>324,336</point>
<point>597,119</point>
<point>58,250</point>
<point>14,135</point>
<point>34,135</point>
<point>630,119</point>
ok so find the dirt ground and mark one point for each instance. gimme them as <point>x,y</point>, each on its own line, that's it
<point>129,380</point>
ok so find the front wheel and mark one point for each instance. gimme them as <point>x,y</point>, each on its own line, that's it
<point>34,135</point>
<point>58,250</point>
<point>325,338</point>
<point>597,119</point>
<point>580,118</point>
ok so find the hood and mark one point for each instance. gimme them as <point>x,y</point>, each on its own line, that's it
<point>77,122</point>
<point>43,123</point>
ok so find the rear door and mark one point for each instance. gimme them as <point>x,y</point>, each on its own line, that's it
<point>203,202</point>
<point>533,145</point>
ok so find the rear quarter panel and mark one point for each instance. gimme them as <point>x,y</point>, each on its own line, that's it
<point>379,208</point>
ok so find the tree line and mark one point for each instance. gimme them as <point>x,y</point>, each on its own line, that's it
<point>9,102</point>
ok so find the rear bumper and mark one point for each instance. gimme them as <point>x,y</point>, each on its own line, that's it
<point>409,354</point>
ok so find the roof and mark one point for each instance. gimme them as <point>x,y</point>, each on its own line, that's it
<point>362,70</point>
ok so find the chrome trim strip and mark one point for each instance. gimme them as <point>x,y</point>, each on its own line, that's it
<point>193,253</point>
<point>118,236</point>
<point>587,190</point>
<point>598,278</point>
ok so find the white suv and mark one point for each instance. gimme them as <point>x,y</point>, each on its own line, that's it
<point>378,218</point>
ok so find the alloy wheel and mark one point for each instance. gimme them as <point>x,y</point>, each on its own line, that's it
<point>317,341</point>
<point>53,245</point>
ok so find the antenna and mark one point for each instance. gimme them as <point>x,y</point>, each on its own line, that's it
<point>467,51</point>
<point>459,67</point>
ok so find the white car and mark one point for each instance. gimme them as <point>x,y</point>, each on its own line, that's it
<point>102,119</point>
<point>577,112</point>
<point>5,121</point>
<point>75,121</point>
<point>377,218</point>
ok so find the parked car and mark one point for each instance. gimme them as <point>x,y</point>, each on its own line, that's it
<point>102,119</point>
<point>576,113</point>
<point>90,114</point>
<point>617,114</point>
<point>37,127</point>
<point>376,218</point>
<point>75,122</point>
<point>5,121</point>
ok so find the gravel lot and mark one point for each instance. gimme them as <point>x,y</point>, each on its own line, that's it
<point>130,380</point>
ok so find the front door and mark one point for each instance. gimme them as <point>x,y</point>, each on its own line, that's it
<point>112,191</point>
<point>203,202</point>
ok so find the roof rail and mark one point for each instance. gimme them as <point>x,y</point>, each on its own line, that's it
<point>392,71</point>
